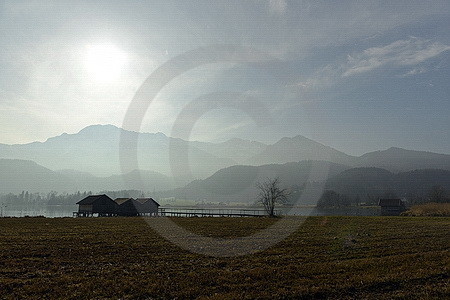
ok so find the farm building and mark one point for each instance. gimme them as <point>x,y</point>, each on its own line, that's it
<point>102,205</point>
<point>97,204</point>
<point>391,207</point>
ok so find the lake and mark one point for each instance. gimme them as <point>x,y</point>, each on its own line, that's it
<point>58,211</point>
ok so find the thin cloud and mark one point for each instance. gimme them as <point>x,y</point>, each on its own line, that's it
<point>274,6</point>
<point>415,71</point>
<point>399,53</point>
<point>278,6</point>
<point>324,77</point>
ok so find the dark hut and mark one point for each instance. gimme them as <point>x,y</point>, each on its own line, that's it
<point>97,204</point>
<point>121,201</point>
<point>102,205</point>
<point>148,206</point>
<point>137,207</point>
<point>127,207</point>
<point>391,207</point>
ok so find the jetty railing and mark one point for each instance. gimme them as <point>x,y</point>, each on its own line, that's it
<point>191,212</point>
<point>212,212</point>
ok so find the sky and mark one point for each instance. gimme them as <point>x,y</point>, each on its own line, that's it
<point>358,75</point>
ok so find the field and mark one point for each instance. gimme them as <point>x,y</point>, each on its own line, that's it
<point>429,210</point>
<point>327,257</point>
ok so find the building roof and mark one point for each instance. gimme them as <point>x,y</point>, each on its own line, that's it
<point>144,200</point>
<point>91,199</point>
<point>390,202</point>
<point>122,200</point>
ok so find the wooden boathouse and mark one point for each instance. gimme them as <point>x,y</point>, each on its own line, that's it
<point>137,207</point>
<point>104,206</point>
<point>391,207</point>
<point>100,205</point>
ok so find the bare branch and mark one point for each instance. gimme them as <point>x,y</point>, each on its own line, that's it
<point>271,194</point>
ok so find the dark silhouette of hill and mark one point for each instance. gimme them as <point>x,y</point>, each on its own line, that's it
<point>362,182</point>
<point>238,183</point>
<point>398,159</point>
<point>375,182</point>
<point>421,181</point>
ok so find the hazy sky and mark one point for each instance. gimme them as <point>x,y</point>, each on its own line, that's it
<point>358,75</point>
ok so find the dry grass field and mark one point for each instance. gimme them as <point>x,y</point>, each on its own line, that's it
<point>327,257</point>
<point>429,210</point>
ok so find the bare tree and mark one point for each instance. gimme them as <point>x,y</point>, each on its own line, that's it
<point>270,194</point>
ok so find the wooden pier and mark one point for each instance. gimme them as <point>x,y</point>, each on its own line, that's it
<point>190,212</point>
<point>77,214</point>
<point>211,212</point>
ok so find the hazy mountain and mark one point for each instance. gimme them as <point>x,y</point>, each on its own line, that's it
<point>398,159</point>
<point>297,149</point>
<point>134,180</point>
<point>137,180</point>
<point>24,175</point>
<point>95,149</point>
<point>393,159</point>
<point>232,184</point>
<point>238,183</point>
<point>238,150</point>
<point>376,182</point>
<point>362,182</point>
<point>19,175</point>
<point>75,174</point>
<point>421,181</point>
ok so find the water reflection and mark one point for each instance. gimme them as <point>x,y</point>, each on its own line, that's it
<point>49,211</point>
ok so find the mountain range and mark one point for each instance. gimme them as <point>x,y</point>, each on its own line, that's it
<point>89,160</point>
<point>238,183</point>
<point>95,149</point>
<point>25,175</point>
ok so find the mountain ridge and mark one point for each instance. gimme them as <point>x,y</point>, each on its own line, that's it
<point>96,148</point>
<point>21,175</point>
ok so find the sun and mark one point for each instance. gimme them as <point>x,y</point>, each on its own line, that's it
<point>105,62</point>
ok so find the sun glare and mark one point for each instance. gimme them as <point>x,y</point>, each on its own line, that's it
<point>105,62</point>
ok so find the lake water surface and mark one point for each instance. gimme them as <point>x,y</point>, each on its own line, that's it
<point>58,211</point>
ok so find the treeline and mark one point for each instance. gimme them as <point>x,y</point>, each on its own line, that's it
<point>54,198</point>
<point>51,198</point>
<point>331,198</point>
